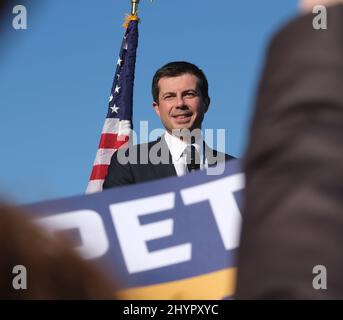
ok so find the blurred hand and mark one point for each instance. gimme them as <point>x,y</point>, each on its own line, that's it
<point>307,5</point>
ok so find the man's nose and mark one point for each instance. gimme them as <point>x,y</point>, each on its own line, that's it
<point>180,103</point>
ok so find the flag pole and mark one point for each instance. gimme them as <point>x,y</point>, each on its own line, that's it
<point>134,7</point>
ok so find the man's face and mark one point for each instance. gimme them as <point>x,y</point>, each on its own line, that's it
<point>180,105</point>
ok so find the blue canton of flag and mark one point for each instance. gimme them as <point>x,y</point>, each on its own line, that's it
<point>121,99</point>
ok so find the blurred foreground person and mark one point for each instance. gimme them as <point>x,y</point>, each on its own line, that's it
<point>292,233</point>
<point>53,269</point>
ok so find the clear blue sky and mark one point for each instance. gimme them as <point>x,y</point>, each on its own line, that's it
<point>56,76</point>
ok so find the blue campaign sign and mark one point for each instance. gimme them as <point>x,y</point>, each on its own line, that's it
<point>173,238</point>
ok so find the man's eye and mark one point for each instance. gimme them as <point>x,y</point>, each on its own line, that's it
<point>168,97</point>
<point>191,94</point>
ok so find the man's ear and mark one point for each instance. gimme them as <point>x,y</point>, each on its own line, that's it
<point>156,108</point>
<point>207,103</point>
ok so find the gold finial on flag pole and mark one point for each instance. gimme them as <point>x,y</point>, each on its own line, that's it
<point>134,13</point>
<point>133,16</point>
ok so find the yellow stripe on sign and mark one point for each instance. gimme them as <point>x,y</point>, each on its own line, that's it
<point>211,286</point>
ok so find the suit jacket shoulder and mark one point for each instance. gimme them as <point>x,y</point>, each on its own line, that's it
<point>213,156</point>
<point>139,163</point>
<point>148,161</point>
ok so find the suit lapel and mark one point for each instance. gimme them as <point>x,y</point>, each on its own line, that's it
<point>164,170</point>
<point>213,156</point>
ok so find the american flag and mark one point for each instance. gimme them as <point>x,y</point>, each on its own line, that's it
<point>118,123</point>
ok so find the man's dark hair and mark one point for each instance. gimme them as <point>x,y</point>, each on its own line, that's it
<point>178,68</point>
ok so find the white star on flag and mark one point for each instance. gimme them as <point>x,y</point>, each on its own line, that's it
<point>125,46</point>
<point>117,89</point>
<point>111,98</point>
<point>114,109</point>
<point>119,61</point>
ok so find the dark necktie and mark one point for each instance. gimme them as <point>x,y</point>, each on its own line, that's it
<point>192,158</point>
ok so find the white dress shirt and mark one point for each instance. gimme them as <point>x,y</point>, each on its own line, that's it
<point>177,149</point>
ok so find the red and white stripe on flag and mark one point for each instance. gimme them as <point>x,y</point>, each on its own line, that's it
<point>115,134</point>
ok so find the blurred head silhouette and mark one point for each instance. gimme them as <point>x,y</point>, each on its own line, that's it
<point>53,269</point>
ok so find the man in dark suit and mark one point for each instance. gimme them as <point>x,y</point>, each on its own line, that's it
<point>292,238</point>
<point>180,93</point>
